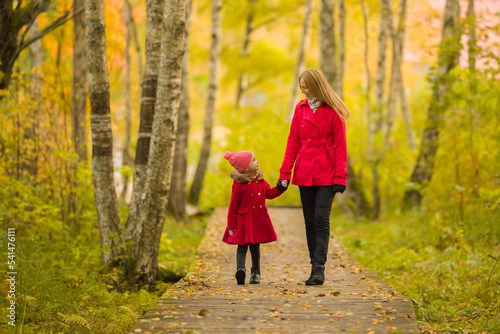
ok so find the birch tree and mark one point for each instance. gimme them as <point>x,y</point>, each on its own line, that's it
<point>447,59</point>
<point>177,198</point>
<point>327,37</point>
<point>339,80</point>
<point>130,33</point>
<point>245,52</point>
<point>194,194</point>
<point>31,137</point>
<point>79,89</point>
<point>375,116</point>
<point>408,120</point>
<point>110,229</point>
<point>299,65</point>
<point>159,171</point>
<point>154,30</point>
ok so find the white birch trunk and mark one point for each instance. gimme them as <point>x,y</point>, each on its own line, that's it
<point>327,45</point>
<point>339,82</point>
<point>194,194</point>
<point>159,172</point>
<point>110,230</point>
<point>177,198</point>
<point>245,52</point>
<point>299,65</point>
<point>79,90</point>
<point>154,31</point>
<point>31,139</point>
<point>126,158</point>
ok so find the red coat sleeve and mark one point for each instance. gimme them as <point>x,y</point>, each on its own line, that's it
<point>233,206</point>
<point>271,192</point>
<point>292,148</point>
<point>340,148</point>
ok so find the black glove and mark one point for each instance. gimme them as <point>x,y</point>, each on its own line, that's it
<point>338,188</point>
<point>280,186</point>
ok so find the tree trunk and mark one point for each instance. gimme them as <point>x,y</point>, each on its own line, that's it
<point>472,49</point>
<point>339,89</point>
<point>159,173</point>
<point>410,133</point>
<point>299,65</point>
<point>448,58</point>
<point>327,37</point>
<point>194,194</point>
<point>79,91</point>
<point>110,229</point>
<point>376,115</point>
<point>177,200</point>
<point>371,120</point>
<point>245,52</point>
<point>368,81</point>
<point>339,82</point>
<point>133,30</point>
<point>126,158</point>
<point>31,139</point>
<point>154,31</point>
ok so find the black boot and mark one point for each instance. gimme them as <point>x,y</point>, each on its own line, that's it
<point>241,255</point>
<point>255,274</point>
<point>317,276</point>
<point>240,276</point>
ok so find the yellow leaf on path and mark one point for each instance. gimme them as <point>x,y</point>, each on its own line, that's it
<point>304,304</point>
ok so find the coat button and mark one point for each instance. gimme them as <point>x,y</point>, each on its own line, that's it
<point>254,207</point>
<point>251,195</point>
<point>249,182</point>
<point>258,194</point>
<point>261,206</point>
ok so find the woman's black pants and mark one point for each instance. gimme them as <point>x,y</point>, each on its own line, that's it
<point>317,206</point>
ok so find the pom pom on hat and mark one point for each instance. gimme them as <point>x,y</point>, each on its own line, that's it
<point>240,160</point>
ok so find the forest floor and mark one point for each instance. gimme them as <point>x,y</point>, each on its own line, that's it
<point>208,300</point>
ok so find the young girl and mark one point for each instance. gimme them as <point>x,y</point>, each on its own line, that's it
<point>248,223</point>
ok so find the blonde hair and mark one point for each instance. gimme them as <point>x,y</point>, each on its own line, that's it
<point>320,88</point>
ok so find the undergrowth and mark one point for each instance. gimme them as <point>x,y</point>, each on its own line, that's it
<point>61,286</point>
<point>449,268</point>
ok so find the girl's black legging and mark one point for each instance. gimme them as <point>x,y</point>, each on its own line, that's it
<point>241,255</point>
<point>316,206</point>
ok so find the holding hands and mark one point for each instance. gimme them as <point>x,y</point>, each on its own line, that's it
<point>282,185</point>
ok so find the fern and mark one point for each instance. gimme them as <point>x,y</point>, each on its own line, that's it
<point>75,319</point>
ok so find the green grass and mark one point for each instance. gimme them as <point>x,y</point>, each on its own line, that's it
<point>449,269</point>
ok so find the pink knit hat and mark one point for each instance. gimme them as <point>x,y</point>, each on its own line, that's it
<point>239,160</point>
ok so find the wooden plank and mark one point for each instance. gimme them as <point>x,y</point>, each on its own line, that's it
<point>208,300</point>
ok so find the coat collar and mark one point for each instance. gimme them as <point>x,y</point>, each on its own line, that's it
<point>320,115</point>
<point>243,178</point>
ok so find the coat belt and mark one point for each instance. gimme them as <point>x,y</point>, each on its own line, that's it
<point>317,143</point>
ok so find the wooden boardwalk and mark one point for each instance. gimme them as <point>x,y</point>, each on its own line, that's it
<point>208,300</point>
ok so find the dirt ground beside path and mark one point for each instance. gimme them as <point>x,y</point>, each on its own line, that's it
<point>208,300</point>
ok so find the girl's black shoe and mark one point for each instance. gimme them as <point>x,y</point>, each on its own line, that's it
<point>240,276</point>
<point>255,277</point>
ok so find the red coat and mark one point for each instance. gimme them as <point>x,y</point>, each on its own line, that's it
<point>317,146</point>
<point>247,212</point>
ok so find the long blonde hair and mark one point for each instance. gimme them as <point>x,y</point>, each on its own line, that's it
<point>320,88</point>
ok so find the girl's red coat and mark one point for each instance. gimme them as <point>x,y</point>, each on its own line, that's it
<point>248,214</point>
<point>317,146</point>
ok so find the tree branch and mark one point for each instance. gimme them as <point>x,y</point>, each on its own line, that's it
<point>54,25</point>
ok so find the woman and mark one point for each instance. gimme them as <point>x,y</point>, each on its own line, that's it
<point>317,146</point>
